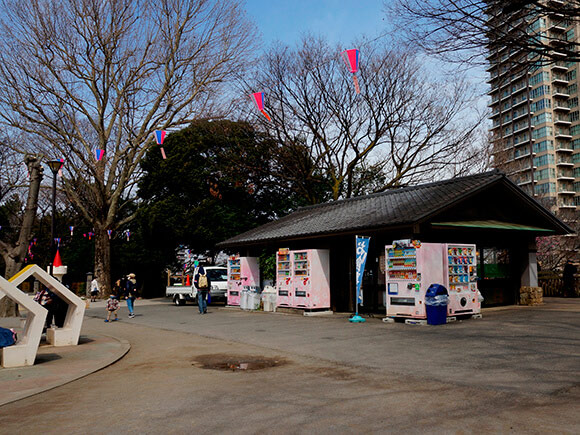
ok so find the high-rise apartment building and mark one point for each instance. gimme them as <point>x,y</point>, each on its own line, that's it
<point>535,113</point>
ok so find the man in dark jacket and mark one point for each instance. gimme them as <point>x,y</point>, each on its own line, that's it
<point>131,294</point>
<point>202,284</point>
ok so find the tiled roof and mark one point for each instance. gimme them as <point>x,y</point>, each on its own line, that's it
<point>401,206</point>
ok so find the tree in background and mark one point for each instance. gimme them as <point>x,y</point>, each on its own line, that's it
<point>403,127</point>
<point>219,179</point>
<point>460,30</point>
<point>18,223</point>
<point>83,76</point>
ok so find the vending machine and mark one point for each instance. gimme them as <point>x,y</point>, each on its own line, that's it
<point>411,267</point>
<point>284,278</point>
<point>243,272</point>
<point>461,279</point>
<point>311,278</point>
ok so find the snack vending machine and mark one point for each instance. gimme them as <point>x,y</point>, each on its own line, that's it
<point>461,279</point>
<point>242,272</point>
<point>284,278</point>
<point>311,278</point>
<point>412,267</point>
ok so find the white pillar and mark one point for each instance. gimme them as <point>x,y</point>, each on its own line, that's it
<point>529,277</point>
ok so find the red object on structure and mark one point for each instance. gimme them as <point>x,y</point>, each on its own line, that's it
<point>188,282</point>
<point>57,261</point>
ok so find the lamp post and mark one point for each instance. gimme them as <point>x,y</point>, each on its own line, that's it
<point>54,166</point>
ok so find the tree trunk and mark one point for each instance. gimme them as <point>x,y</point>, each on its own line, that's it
<point>103,260</point>
<point>14,255</point>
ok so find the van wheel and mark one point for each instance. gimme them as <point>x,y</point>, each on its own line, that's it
<point>178,301</point>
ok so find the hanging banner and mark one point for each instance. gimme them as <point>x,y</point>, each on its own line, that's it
<point>362,250</point>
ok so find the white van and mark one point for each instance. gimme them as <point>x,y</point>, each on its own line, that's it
<point>218,275</point>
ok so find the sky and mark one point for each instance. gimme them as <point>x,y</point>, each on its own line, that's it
<point>338,20</point>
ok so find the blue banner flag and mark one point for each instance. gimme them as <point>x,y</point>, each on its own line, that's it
<point>362,250</point>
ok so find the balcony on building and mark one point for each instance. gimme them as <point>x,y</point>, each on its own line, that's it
<point>521,156</point>
<point>568,204</point>
<point>566,191</point>
<point>559,66</point>
<point>565,175</point>
<point>558,25</point>
<point>516,103</point>
<point>563,134</point>
<point>562,120</point>
<point>565,161</point>
<point>519,115</point>
<point>560,79</point>
<point>524,169</point>
<point>523,128</point>
<point>525,181</point>
<point>564,147</point>
<point>560,92</point>
<point>560,106</point>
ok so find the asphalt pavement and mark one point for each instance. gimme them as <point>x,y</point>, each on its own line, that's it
<point>514,370</point>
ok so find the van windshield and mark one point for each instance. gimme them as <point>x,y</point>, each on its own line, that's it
<point>217,274</point>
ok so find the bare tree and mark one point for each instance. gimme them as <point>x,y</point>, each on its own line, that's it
<point>401,129</point>
<point>89,75</point>
<point>468,30</point>
<point>13,253</point>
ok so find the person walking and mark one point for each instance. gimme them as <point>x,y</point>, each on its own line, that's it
<point>112,307</point>
<point>131,294</point>
<point>94,289</point>
<point>202,284</point>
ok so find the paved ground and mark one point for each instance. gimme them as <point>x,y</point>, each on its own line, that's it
<point>515,370</point>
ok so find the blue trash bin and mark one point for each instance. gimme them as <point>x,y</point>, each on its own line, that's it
<point>436,301</point>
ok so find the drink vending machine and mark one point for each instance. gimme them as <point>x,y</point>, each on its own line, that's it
<point>284,278</point>
<point>412,267</point>
<point>242,272</point>
<point>461,279</point>
<point>303,278</point>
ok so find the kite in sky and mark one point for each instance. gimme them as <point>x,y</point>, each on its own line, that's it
<point>350,57</point>
<point>160,137</point>
<point>259,99</point>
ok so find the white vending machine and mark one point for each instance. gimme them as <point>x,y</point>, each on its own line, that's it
<point>311,278</point>
<point>243,272</point>
<point>284,278</point>
<point>411,267</point>
<point>461,279</point>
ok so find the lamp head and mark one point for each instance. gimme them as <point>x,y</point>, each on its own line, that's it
<point>55,165</point>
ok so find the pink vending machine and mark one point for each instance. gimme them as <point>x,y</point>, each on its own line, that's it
<point>284,278</point>
<point>411,267</point>
<point>242,272</point>
<point>311,278</point>
<point>461,279</point>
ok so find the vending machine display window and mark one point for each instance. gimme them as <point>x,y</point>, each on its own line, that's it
<point>283,263</point>
<point>301,264</point>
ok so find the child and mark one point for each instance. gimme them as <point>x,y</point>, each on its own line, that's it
<point>112,307</point>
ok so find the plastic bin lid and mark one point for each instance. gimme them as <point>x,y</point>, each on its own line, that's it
<point>436,290</point>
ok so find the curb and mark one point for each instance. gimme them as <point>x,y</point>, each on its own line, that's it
<point>73,362</point>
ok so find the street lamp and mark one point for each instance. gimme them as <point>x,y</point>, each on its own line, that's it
<point>54,166</point>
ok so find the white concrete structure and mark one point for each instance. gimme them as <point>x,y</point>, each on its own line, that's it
<point>23,352</point>
<point>69,334</point>
<point>58,271</point>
